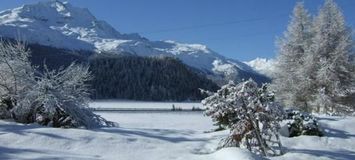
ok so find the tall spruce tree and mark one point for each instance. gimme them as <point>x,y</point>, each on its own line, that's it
<point>293,47</point>
<point>329,59</point>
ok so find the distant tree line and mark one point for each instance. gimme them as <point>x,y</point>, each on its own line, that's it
<point>146,78</point>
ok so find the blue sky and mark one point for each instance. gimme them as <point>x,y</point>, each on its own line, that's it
<point>239,29</point>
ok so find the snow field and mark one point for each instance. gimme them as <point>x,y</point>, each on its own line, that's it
<point>163,136</point>
<point>148,136</point>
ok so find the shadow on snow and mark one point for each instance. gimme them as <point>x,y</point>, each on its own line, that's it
<point>336,155</point>
<point>159,134</point>
<point>9,153</point>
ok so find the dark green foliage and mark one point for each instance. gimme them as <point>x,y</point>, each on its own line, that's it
<point>5,106</point>
<point>55,58</point>
<point>146,78</point>
<point>302,124</point>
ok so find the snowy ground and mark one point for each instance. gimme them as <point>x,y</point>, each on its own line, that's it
<point>162,136</point>
<point>141,136</point>
<point>339,142</point>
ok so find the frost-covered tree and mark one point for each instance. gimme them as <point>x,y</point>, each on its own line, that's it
<point>314,71</point>
<point>254,116</point>
<point>15,68</point>
<point>60,99</point>
<point>16,74</point>
<point>290,84</point>
<point>55,98</point>
<point>329,59</point>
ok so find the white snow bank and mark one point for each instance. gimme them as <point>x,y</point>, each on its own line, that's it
<point>234,154</point>
<point>338,142</point>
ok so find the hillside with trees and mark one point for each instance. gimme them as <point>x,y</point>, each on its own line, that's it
<point>128,77</point>
<point>146,78</point>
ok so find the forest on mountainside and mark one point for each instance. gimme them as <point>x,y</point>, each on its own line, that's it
<point>129,77</point>
<point>146,78</point>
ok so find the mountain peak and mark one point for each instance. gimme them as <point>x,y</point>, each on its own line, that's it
<point>263,65</point>
<point>55,11</point>
<point>56,4</point>
<point>59,24</point>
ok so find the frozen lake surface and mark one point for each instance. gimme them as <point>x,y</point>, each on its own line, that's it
<point>143,105</point>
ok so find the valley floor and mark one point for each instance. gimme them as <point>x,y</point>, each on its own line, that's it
<point>162,136</point>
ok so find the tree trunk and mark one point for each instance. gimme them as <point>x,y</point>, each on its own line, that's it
<point>258,136</point>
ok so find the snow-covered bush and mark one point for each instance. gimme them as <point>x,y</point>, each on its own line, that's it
<point>219,108</point>
<point>54,98</point>
<point>301,123</point>
<point>253,116</point>
<point>60,99</point>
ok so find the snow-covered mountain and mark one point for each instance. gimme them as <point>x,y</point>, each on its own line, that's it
<point>263,65</point>
<point>59,24</point>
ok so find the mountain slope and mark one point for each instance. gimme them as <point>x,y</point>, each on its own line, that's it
<point>129,77</point>
<point>59,24</point>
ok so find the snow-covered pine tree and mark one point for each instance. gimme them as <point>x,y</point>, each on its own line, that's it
<point>290,84</point>
<point>253,116</point>
<point>329,58</point>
